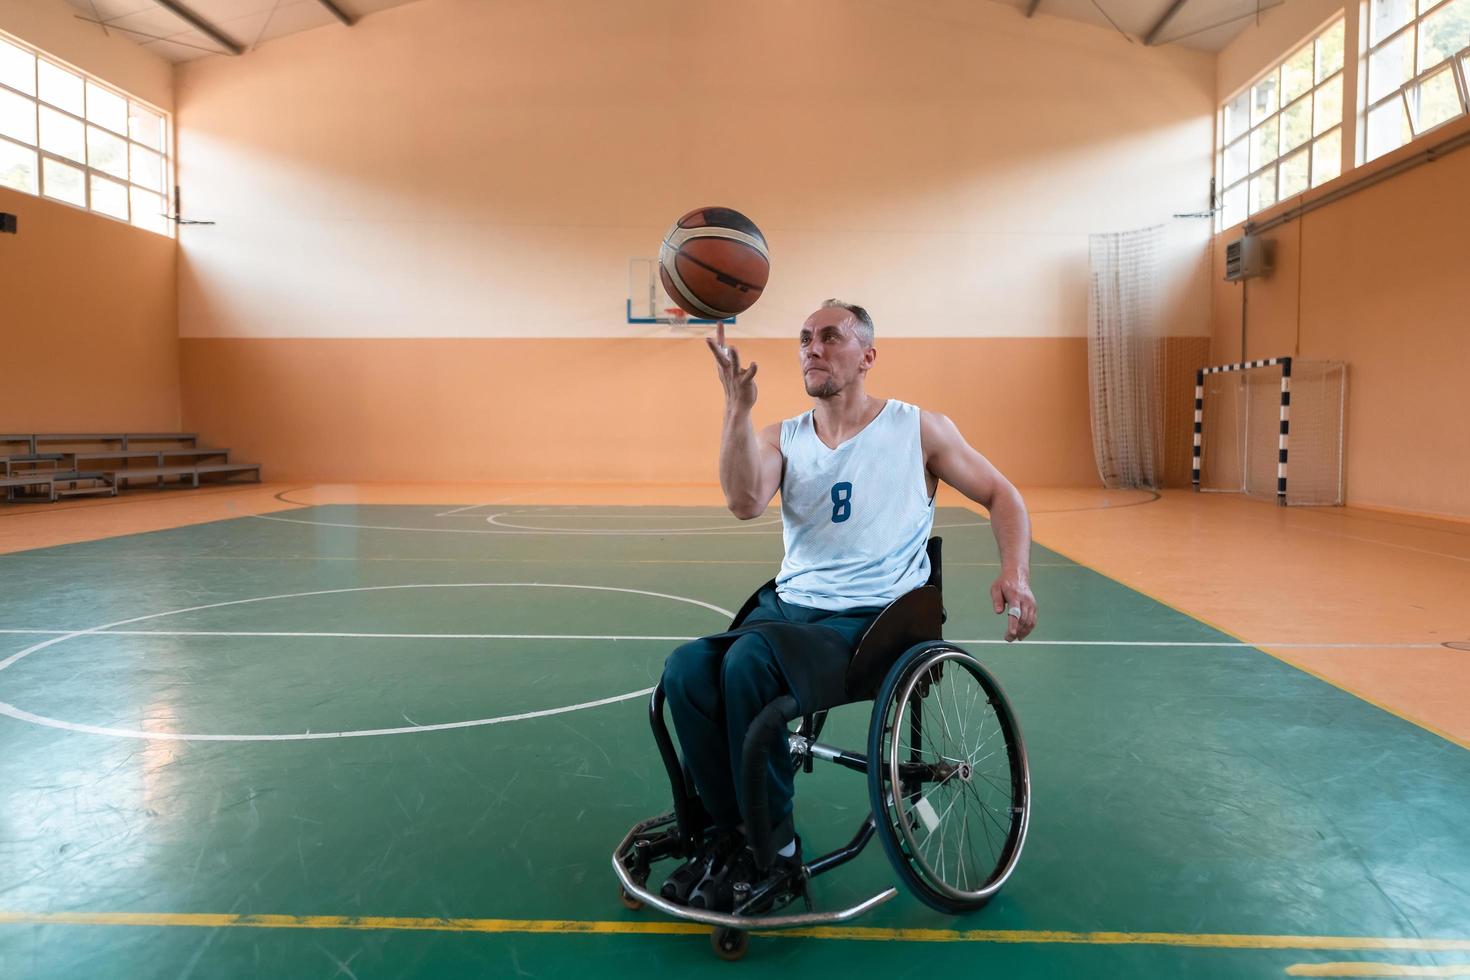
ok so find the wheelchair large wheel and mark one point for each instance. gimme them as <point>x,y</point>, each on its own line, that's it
<point>947,777</point>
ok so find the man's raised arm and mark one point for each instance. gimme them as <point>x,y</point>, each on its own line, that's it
<point>750,463</point>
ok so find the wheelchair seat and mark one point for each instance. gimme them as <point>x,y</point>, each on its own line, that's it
<point>913,617</point>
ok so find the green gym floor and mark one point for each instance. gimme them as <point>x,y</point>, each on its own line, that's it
<point>371,741</point>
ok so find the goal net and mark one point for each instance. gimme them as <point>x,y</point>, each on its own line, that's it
<point>1271,429</point>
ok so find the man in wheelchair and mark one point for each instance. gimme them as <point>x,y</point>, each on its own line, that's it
<point>857,476</point>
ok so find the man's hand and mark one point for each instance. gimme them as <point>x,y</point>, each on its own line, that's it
<point>1011,594</point>
<point>740,390</point>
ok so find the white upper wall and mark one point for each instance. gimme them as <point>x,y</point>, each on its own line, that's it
<point>462,168</point>
<point>52,26</point>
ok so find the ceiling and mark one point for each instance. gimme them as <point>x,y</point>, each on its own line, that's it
<point>245,22</point>
<point>1206,25</point>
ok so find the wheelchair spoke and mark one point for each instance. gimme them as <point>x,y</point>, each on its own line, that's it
<point>949,759</point>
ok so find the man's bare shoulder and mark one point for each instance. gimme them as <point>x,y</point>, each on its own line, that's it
<point>936,430</point>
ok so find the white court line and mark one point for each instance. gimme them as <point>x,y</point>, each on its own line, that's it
<point>22,715</point>
<point>494,519</point>
<point>287,634</point>
<point>1358,537</point>
<point>488,503</point>
<point>507,531</point>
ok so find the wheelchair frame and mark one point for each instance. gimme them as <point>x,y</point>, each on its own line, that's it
<point>903,640</point>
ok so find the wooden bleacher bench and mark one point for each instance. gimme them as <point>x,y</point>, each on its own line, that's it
<point>30,460</point>
<point>113,459</point>
<point>157,455</point>
<point>36,439</point>
<point>191,472</point>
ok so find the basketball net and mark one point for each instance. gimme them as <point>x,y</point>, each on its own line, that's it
<point>678,319</point>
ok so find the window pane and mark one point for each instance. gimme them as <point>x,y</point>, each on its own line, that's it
<point>107,153</point>
<point>62,135</point>
<point>109,197</point>
<point>17,167</point>
<point>144,126</point>
<point>1263,190</point>
<point>1263,144</point>
<point>148,211</point>
<point>147,168</point>
<point>1434,100</point>
<point>1329,51</point>
<point>1234,206</point>
<point>106,109</point>
<point>1296,124</point>
<point>1263,98</point>
<point>1296,75</point>
<point>1444,32</point>
<point>1237,116</point>
<point>1390,66</point>
<point>1327,158</point>
<point>60,87</point>
<point>1427,5</point>
<point>1237,160</point>
<point>17,117</point>
<point>1293,173</point>
<point>1387,16</point>
<point>17,68</point>
<point>1388,128</point>
<point>1329,106</point>
<point>63,182</point>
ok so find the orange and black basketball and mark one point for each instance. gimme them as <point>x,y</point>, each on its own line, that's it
<point>714,263</point>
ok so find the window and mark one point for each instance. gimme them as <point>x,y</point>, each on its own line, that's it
<point>72,138</point>
<point>1283,134</point>
<point>1417,52</point>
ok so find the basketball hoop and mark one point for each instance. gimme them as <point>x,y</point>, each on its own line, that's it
<point>677,318</point>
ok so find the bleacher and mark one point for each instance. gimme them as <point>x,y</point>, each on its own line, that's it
<point>50,466</point>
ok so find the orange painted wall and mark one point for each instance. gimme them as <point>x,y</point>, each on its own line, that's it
<point>89,325</point>
<point>581,409</point>
<point>1378,279</point>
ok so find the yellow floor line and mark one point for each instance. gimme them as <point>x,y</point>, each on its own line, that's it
<point>577,926</point>
<point>1360,969</point>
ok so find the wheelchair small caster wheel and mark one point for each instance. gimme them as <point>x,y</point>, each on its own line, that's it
<point>729,944</point>
<point>629,902</point>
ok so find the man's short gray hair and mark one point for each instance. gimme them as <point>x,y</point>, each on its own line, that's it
<point>864,321</point>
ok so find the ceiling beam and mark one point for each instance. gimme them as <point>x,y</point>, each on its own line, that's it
<point>1031,7</point>
<point>201,25</point>
<point>338,12</point>
<point>1157,29</point>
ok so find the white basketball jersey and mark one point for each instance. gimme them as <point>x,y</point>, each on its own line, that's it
<point>856,519</point>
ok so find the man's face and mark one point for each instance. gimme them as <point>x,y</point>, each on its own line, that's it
<point>832,353</point>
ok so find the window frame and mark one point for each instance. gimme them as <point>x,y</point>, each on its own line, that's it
<point>1307,146</point>
<point>89,81</point>
<point>1455,60</point>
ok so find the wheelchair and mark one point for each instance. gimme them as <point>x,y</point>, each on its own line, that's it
<point>948,782</point>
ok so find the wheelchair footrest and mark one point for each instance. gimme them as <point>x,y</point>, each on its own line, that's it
<point>638,849</point>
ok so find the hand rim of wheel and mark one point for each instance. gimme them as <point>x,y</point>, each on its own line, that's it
<point>972,665</point>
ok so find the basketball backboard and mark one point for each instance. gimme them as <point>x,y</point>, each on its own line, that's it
<point>648,303</point>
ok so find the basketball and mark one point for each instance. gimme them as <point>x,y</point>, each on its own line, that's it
<point>714,263</point>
